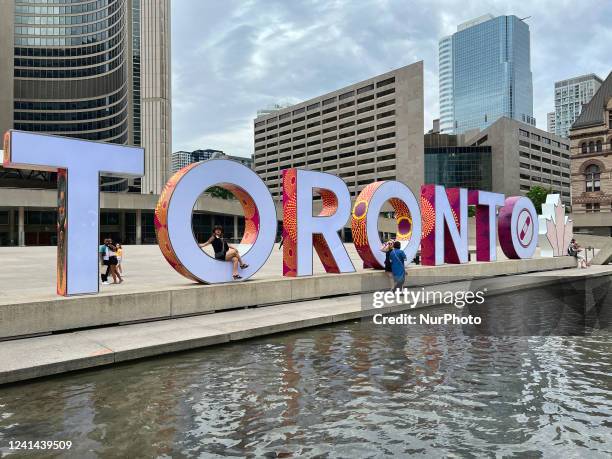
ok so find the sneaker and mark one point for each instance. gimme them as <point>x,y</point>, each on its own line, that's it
<point>106,283</point>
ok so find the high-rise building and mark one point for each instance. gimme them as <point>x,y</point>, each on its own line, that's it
<point>550,122</point>
<point>485,74</point>
<point>570,96</point>
<point>92,69</point>
<point>368,131</point>
<point>182,158</point>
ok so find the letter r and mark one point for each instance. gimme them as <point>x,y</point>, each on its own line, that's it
<point>302,230</point>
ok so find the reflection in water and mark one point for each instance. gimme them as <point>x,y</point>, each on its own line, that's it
<point>353,389</point>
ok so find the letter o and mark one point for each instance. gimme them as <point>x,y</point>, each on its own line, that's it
<point>518,227</point>
<point>364,220</point>
<point>173,215</point>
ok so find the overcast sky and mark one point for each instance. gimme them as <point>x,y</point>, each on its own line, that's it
<point>231,58</point>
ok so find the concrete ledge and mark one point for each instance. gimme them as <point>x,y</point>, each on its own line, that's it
<point>30,358</point>
<point>63,314</point>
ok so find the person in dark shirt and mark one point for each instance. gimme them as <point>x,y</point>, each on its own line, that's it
<point>224,251</point>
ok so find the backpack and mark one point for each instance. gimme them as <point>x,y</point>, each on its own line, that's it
<point>571,251</point>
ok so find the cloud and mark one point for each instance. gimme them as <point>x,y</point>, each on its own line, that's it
<point>232,58</point>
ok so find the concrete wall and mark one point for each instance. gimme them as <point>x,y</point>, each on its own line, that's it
<point>106,309</point>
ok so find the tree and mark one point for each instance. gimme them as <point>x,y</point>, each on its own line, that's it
<point>538,196</point>
<point>218,192</point>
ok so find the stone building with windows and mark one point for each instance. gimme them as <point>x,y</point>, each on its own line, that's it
<point>368,131</point>
<point>591,164</point>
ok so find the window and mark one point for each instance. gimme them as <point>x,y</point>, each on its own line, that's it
<point>591,146</point>
<point>592,207</point>
<point>598,145</point>
<point>365,89</point>
<point>385,82</point>
<point>592,174</point>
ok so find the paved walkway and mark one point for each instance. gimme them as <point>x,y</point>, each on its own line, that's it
<point>27,274</point>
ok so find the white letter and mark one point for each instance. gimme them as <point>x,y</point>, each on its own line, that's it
<point>79,164</point>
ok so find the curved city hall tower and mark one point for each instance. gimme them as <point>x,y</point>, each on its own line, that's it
<point>92,69</point>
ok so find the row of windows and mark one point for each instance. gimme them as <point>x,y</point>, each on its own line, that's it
<point>330,157</point>
<point>69,73</point>
<point>71,9</point>
<point>69,52</point>
<point>351,161</point>
<point>318,123</point>
<point>332,100</point>
<point>64,31</point>
<point>327,139</point>
<point>76,115</point>
<point>64,20</point>
<point>70,41</point>
<point>63,63</point>
<point>118,134</point>
<point>74,127</point>
<point>327,129</point>
<point>538,138</point>
<point>72,105</point>
<point>593,147</point>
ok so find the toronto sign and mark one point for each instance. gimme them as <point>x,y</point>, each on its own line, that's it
<point>436,222</point>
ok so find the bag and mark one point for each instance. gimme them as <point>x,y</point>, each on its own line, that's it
<point>388,261</point>
<point>571,251</point>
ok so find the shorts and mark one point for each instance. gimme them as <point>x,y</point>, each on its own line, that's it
<point>112,261</point>
<point>220,256</point>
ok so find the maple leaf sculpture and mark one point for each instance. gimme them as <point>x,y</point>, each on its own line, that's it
<point>556,229</point>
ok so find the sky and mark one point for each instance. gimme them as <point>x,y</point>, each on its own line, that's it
<point>231,58</point>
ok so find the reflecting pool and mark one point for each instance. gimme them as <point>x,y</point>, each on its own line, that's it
<point>347,390</point>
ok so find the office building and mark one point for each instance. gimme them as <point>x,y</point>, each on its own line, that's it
<point>523,156</point>
<point>181,159</point>
<point>453,165</point>
<point>591,146</point>
<point>570,96</point>
<point>445,76</point>
<point>485,74</point>
<point>96,70</point>
<point>371,130</point>
<point>550,122</point>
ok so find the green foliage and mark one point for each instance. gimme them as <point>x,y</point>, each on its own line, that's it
<point>538,194</point>
<point>218,192</point>
<point>471,211</point>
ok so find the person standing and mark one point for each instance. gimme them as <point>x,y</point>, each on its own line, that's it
<point>398,258</point>
<point>104,260</point>
<point>119,258</point>
<point>111,254</point>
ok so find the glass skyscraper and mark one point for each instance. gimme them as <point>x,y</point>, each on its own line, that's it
<point>485,73</point>
<point>91,69</point>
